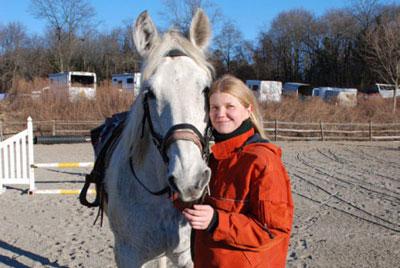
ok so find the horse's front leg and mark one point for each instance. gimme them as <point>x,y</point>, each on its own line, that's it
<point>179,242</point>
<point>157,263</point>
<point>182,259</point>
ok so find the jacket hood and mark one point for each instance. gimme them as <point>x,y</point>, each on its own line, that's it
<point>273,148</point>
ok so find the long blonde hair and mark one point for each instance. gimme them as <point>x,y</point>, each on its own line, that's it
<point>234,86</point>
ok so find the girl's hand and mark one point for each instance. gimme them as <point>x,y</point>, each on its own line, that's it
<point>199,217</point>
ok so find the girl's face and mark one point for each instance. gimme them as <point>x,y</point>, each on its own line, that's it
<point>227,113</point>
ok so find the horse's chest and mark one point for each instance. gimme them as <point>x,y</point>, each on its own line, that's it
<point>150,227</point>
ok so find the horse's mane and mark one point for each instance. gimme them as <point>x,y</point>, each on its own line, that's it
<point>132,143</point>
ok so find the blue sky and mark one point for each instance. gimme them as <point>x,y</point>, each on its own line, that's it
<point>250,15</point>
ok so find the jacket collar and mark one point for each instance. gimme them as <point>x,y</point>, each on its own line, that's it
<point>244,127</point>
<point>223,149</point>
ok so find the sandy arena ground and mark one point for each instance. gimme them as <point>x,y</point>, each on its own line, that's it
<point>346,195</point>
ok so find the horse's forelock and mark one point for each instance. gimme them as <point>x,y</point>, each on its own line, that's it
<point>173,40</point>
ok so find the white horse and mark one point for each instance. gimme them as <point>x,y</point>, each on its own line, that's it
<point>161,148</point>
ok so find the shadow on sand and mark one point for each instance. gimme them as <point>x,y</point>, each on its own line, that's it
<point>20,252</point>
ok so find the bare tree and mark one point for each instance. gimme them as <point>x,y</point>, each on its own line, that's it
<point>365,11</point>
<point>264,63</point>
<point>180,12</point>
<point>288,35</point>
<point>382,52</point>
<point>332,50</point>
<point>65,19</point>
<point>227,43</point>
<point>13,44</point>
<point>114,52</point>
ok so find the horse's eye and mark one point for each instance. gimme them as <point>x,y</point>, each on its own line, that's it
<point>151,95</point>
<point>206,90</point>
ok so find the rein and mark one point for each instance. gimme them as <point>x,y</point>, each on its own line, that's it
<point>161,192</point>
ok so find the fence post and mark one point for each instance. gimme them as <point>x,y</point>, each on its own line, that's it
<point>321,125</point>
<point>54,127</point>
<point>370,130</point>
<point>276,129</point>
<point>1,131</point>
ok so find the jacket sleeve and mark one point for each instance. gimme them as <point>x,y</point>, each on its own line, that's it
<point>270,216</point>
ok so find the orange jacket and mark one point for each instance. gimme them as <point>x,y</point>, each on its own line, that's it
<point>250,190</point>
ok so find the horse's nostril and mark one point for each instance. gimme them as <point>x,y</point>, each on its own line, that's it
<point>204,179</point>
<point>207,174</point>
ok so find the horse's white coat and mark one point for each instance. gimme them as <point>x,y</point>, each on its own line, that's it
<point>147,228</point>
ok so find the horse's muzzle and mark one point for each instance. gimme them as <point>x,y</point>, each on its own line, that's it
<point>190,189</point>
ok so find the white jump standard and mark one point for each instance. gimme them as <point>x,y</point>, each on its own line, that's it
<point>17,163</point>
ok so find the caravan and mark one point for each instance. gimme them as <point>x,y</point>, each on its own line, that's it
<point>127,82</point>
<point>297,89</point>
<point>387,91</point>
<point>266,90</point>
<point>75,84</point>
<point>346,97</point>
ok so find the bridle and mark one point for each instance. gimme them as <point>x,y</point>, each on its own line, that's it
<point>177,132</point>
<point>184,131</point>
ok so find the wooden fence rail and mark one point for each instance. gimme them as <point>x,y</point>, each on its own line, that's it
<point>53,127</point>
<point>275,130</point>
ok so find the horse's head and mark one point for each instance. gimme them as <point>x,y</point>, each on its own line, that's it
<point>175,79</point>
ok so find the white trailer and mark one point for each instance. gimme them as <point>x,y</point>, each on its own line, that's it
<point>127,82</point>
<point>74,84</point>
<point>297,89</point>
<point>266,90</point>
<point>346,97</point>
<point>387,90</point>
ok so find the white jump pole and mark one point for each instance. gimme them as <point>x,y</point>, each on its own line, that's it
<point>63,165</point>
<point>63,191</point>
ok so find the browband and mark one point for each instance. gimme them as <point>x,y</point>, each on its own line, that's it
<point>176,53</point>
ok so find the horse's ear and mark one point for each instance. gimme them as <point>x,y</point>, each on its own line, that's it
<point>200,31</point>
<point>144,33</point>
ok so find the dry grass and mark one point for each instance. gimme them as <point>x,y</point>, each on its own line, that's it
<point>373,109</point>
<point>56,106</point>
<point>52,106</point>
